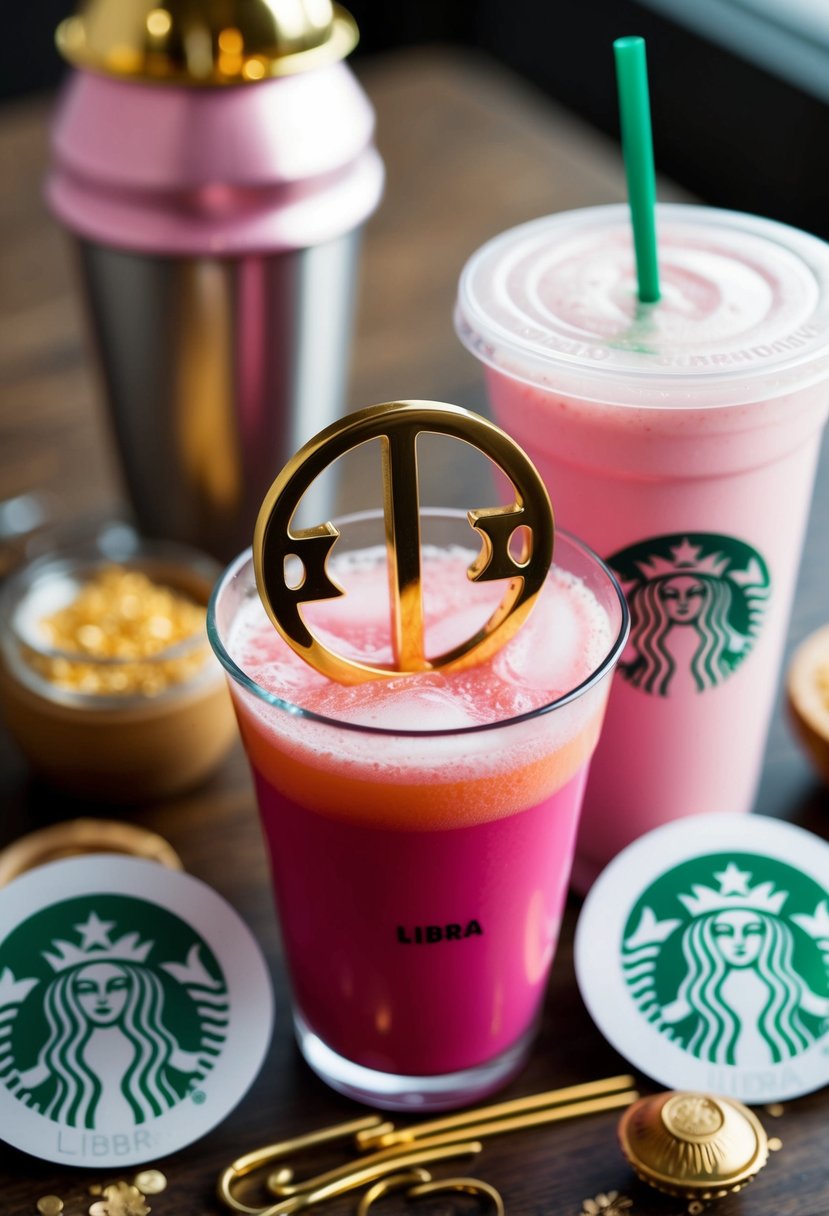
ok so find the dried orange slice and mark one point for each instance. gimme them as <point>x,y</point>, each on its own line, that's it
<point>807,687</point>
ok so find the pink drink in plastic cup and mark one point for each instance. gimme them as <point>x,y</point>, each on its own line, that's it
<point>680,440</point>
<point>421,829</point>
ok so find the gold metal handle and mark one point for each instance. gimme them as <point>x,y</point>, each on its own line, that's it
<point>469,1186</point>
<point>548,1107</point>
<point>262,1157</point>
<point>399,1151</point>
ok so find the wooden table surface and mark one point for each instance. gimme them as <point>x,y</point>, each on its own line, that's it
<point>469,151</point>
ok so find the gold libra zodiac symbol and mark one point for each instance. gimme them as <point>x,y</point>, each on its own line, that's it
<point>517,540</point>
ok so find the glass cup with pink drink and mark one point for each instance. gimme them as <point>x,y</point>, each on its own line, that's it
<point>421,826</point>
<point>680,439</point>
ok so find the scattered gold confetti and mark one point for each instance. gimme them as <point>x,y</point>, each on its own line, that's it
<point>611,1204</point>
<point>151,1182</point>
<point>50,1205</point>
<point>775,1109</point>
<point>96,1189</point>
<point>120,1199</point>
<point>775,1144</point>
<point>113,633</point>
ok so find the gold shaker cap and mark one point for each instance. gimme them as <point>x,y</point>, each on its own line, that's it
<point>693,1145</point>
<point>206,42</point>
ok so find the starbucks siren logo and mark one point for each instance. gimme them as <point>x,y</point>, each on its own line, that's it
<point>696,603</point>
<point>114,1028</point>
<point>728,957</point>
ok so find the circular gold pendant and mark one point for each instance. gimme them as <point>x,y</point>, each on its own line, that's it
<point>516,539</point>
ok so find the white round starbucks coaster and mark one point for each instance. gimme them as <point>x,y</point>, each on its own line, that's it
<point>135,1011</point>
<point>702,953</point>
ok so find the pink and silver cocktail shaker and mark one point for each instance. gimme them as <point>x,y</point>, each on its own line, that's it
<point>214,160</point>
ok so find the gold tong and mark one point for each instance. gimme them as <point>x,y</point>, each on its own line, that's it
<point>385,1151</point>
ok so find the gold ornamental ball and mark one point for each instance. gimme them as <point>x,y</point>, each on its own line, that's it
<point>693,1145</point>
<point>205,42</point>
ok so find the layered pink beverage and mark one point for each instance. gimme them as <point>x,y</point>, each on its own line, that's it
<point>680,440</point>
<point>421,828</point>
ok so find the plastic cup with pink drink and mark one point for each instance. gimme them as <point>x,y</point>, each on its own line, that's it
<point>421,828</point>
<point>680,440</point>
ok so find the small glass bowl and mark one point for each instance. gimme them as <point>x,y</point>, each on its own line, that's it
<point>118,729</point>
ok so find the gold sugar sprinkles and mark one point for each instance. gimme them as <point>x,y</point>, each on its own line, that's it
<point>150,1182</point>
<point>609,1204</point>
<point>119,1198</point>
<point>50,1205</point>
<point>122,635</point>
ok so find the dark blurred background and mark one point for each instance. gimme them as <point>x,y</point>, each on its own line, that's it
<point>739,88</point>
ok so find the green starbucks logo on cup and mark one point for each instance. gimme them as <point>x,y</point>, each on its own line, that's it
<point>113,1010</point>
<point>696,604</point>
<point>727,957</point>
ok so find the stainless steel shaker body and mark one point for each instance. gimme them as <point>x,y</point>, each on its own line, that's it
<point>216,371</point>
<point>218,230</point>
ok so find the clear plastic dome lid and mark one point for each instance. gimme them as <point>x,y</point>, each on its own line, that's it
<point>744,310</point>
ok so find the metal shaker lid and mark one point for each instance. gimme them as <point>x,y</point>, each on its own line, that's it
<point>205,42</point>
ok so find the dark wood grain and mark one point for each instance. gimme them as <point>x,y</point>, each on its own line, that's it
<point>469,151</point>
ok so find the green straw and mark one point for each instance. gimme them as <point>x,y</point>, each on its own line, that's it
<point>637,148</point>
